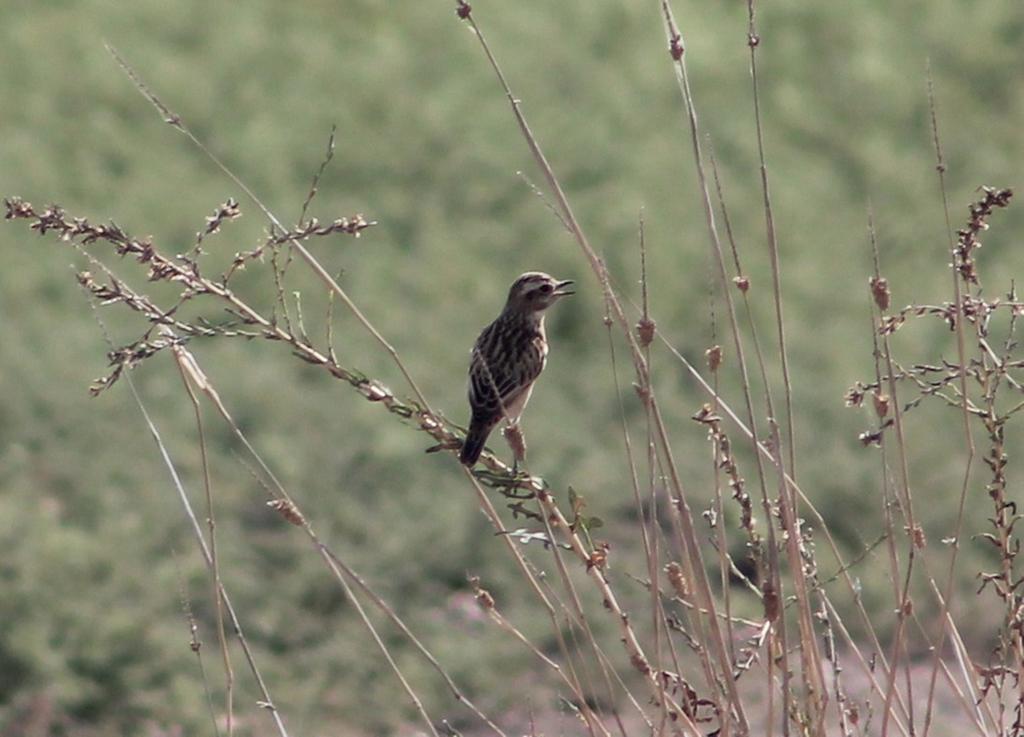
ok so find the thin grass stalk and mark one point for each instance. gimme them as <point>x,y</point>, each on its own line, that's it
<point>657,614</point>
<point>175,121</point>
<point>464,12</point>
<point>577,610</point>
<point>195,644</point>
<point>904,603</point>
<point>866,668</point>
<point>193,373</point>
<point>388,611</point>
<point>753,42</point>
<point>723,554</point>
<point>267,702</point>
<point>816,515</point>
<point>940,168</point>
<point>322,549</point>
<point>215,580</point>
<point>818,519</point>
<point>553,517</point>
<point>889,498</point>
<point>810,657</point>
<point>592,722</point>
<point>645,331</point>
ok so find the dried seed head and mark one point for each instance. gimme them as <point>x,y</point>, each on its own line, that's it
<point>464,10</point>
<point>645,331</point>
<point>287,510</point>
<point>855,395</point>
<point>675,47</point>
<point>714,357</point>
<point>677,578</point>
<point>742,283</point>
<point>918,536</point>
<point>599,557</point>
<point>880,292</point>
<point>484,599</point>
<point>639,663</point>
<point>881,403</point>
<point>870,437</point>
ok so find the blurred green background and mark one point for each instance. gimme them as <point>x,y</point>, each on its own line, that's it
<point>95,554</point>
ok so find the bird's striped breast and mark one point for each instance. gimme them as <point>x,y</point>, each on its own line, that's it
<point>508,357</point>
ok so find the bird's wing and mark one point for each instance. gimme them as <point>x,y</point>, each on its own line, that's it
<point>503,365</point>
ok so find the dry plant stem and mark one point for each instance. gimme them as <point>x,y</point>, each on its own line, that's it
<point>844,569</point>
<point>967,669</point>
<point>388,611</point>
<point>940,167</point>
<point>810,657</point>
<point>774,573</point>
<point>657,612</point>
<point>904,602</point>
<point>744,285</point>
<point>725,562</point>
<point>574,621</point>
<point>572,625</point>
<point>397,621</point>
<point>175,121</point>
<point>646,329</point>
<point>650,554</point>
<point>334,562</point>
<point>593,723</point>
<point>577,606</point>
<point>866,668</point>
<point>889,499</point>
<point>199,379</point>
<point>380,643</point>
<point>267,702</point>
<point>229,674</point>
<point>753,41</point>
<point>808,504</point>
<point>553,518</point>
<point>601,272</point>
<point>191,370</point>
<point>969,704</point>
<point>194,642</point>
<point>489,606</point>
<point>373,391</point>
<point>338,567</point>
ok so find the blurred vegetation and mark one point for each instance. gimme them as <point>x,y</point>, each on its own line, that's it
<point>95,555</point>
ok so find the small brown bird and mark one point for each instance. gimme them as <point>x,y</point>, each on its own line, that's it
<point>508,357</point>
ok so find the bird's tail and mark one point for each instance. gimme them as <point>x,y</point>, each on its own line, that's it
<point>474,443</point>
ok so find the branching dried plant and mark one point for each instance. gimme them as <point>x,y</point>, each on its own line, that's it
<point>977,384</point>
<point>696,661</point>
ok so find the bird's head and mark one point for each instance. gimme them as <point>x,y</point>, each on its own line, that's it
<point>535,291</point>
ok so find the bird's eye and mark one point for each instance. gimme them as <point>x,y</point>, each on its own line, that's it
<point>546,288</point>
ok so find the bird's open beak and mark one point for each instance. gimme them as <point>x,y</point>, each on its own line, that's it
<point>561,291</point>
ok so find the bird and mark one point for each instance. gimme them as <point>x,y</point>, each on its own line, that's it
<point>507,358</point>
